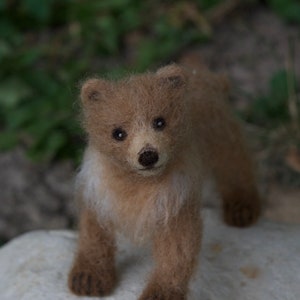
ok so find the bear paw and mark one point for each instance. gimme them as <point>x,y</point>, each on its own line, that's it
<point>241,213</point>
<point>88,283</point>
<point>158,294</point>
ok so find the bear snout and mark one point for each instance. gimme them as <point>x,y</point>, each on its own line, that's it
<point>148,158</point>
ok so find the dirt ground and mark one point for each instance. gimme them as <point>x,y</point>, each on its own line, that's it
<point>249,47</point>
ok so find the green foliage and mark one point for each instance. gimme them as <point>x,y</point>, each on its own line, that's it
<point>207,4</point>
<point>47,47</point>
<point>271,110</point>
<point>287,9</point>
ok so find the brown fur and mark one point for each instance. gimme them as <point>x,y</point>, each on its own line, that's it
<point>93,272</point>
<point>161,204</point>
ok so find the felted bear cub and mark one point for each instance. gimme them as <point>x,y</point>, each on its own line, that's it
<point>152,138</point>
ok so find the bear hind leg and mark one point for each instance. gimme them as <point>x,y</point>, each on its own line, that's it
<point>241,207</point>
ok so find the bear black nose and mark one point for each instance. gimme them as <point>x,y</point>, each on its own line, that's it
<point>148,158</point>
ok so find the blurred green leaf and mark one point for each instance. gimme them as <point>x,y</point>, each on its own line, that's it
<point>19,117</point>
<point>5,49</point>
<point>8,140</point>
<point>41,10</point>
<point>12,91</point>
<point>2,5</point>
<point>207,4</point>
<point>28,58</point>
<point>51,145</point>
<point>8,29</point>
<point>288,9</point>
<point>278,86</point>
<point>271,110</point>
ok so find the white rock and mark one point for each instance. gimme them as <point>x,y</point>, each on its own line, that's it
<point>258,263</point>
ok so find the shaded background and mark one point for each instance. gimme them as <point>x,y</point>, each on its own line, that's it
<point>47,47</point>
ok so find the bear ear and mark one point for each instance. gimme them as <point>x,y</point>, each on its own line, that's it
<point>172,76</point>
<point>93,90</point>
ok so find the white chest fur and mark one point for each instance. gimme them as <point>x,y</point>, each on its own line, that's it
<point>163,200</point>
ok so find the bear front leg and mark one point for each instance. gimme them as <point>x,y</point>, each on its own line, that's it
<point>175,249</point>
<point>93,271</point>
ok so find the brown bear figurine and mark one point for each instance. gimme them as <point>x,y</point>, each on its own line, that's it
<point>152,139</point>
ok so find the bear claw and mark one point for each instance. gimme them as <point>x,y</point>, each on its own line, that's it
<point>86,283</point>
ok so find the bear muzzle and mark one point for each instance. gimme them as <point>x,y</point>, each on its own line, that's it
<point>148,157</point>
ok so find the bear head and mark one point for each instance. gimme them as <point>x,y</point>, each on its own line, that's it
<point>138,123</point>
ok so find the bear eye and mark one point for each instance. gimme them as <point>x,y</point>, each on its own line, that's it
<point>159,123</point>
<point>119,134</point>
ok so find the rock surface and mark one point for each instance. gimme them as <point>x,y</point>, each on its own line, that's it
<point>34,196</point>
<point>261,262</point>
